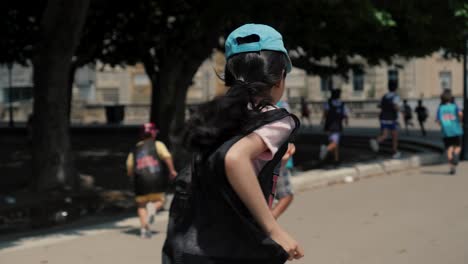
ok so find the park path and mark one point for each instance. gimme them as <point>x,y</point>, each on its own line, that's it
<point>418,216</point>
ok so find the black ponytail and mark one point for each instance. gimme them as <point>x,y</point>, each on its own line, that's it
<point>250,77</point>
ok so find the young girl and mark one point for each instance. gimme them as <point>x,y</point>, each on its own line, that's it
<point>238,140</point>
<point>144,164</point>
<point>449,117</point>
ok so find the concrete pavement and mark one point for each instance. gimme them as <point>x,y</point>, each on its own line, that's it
<point>417,216</point>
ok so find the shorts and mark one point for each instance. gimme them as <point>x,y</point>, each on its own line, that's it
<point>150,197</point>
<point>452,141</point>
<point>283,187</point>
<point>389,125</point>
<point>334,137</point>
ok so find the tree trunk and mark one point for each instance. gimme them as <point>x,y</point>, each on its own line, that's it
<point>178,121</point>
<point>71,79</point>
<point>61,26</point>
<point>164,97</point>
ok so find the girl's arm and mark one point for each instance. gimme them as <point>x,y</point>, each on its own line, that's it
<point>241,175</point>
<point>170,166</point>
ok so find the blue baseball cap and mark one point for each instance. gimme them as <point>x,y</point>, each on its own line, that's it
<point>268,39</point>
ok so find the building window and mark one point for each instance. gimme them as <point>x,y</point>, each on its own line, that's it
<point>326,83</point>
<point>393,79</point>
<point>358,80</point>
<point>17,94</point>
<point>445,78</point>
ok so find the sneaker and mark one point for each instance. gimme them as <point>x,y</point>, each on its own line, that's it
<point>397,155</point>
<point>453,171</point>
<point>151,211</point>
<point>145,233</point>
<point>323,152</point>
<point>374,145</point>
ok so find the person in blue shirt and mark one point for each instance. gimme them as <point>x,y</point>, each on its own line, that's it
<point>449,117</point>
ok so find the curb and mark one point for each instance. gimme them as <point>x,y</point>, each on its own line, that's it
<point>320,178</point>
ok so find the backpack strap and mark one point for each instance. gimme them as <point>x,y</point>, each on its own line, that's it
<point>265,118</point>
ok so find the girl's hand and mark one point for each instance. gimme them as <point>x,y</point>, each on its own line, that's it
<point>290,245</point>
<point>173,174</point>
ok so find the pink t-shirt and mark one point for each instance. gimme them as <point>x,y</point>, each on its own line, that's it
<point>273,135</point>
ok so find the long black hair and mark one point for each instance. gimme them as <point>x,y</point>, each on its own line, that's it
<point>250,78</point>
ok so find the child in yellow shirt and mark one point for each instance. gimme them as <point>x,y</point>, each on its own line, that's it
<point>146,164</point>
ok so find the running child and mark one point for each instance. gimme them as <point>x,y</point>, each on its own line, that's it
<point>450,117</point>
<point>335,113</point>
<point>150,176</point>
<point>422,115</point>
<point>284,191</point>
<point>223,214</point>
<point>390,106</point>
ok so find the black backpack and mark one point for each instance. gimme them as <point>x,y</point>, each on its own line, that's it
<point>388,108</point>
<point>208,223</point>
<point>335,115</point>
<point>150,172</point>
<point>408,112</point>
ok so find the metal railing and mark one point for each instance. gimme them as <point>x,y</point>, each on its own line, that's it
<point>84,114</point>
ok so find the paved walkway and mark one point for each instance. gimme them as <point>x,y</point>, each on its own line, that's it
<point>419,216</point>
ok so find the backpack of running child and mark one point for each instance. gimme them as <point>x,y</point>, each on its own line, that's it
<point>388,108</point>
<point>150,173</point>
<point>335,115</point>
<point>423,113</point>
<point>205,209</point>
<point>408,112</point>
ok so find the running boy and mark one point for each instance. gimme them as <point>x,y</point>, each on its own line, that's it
<point>389,106</point>
<point>144,164</point>
<point>335,113</point>
<point>422,115</point>
<point>238,141</point>
<point>449,117</point>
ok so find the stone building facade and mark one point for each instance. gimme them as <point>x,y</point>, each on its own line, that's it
<point>100,85</point>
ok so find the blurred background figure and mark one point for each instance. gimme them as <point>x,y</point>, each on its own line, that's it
<point>335,113</point>
<point>305,113</point>
<point>284,191</point>
<point>449,117</point>
<point>150,163</point>
<point>283,103</point>
<point>389,108</point>
<point>407,116</point>
<point>422,115</point>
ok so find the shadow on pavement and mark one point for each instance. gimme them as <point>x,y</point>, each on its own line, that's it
<point>136,232</point>
<point>64,232</point>
<point>437,173</point>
